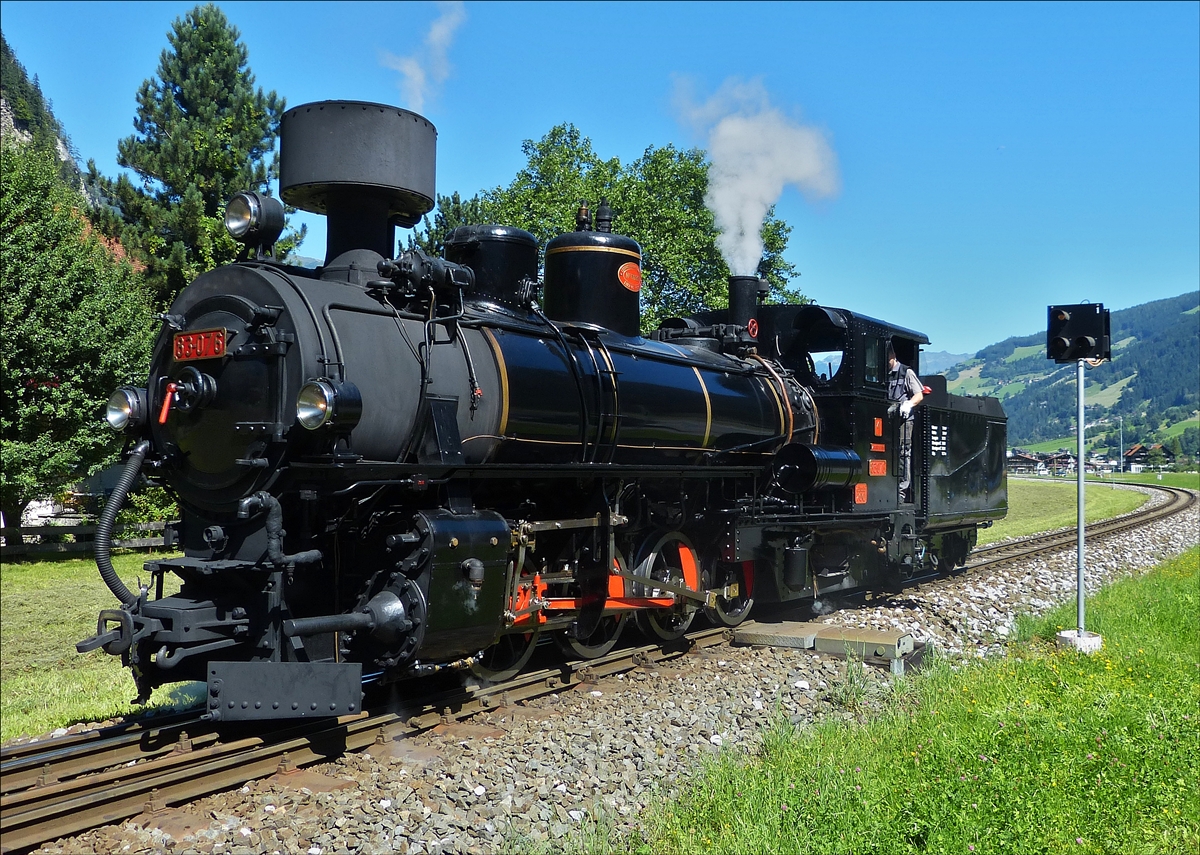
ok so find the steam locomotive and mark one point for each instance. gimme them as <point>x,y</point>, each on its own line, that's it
<point>391,466</point>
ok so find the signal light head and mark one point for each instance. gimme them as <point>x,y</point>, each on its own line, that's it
<point>1077,332</point>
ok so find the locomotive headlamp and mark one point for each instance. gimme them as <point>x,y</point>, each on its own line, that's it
<point>126,410</point>
<point>254,218</point>
<point>325,402</point>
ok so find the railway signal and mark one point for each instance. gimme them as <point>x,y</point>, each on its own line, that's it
<point>1078,332</point>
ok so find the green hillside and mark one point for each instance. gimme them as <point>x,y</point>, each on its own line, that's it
<point>1152,382</point>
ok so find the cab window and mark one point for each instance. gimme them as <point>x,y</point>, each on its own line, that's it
<point>825,351</point>
<point>873,360</point>
<point>826,363</point>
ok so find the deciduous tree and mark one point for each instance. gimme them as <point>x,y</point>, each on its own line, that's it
<point>658,200</point>
<point>76,324</point>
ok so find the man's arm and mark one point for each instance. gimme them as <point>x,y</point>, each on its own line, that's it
<point>915,389</point>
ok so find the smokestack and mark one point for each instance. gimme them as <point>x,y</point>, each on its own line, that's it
<point>366,167</point>
<point>745,294</point>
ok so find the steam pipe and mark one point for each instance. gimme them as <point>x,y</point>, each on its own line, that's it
<point>264,500</point>
<point>133,466</point>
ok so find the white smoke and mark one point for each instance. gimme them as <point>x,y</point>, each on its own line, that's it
<point>755,151</point>
<point>427,69</point>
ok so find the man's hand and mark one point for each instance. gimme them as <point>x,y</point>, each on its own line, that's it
<point>905,409</point>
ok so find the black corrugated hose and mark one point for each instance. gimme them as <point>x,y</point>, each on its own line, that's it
<point>133,466</point>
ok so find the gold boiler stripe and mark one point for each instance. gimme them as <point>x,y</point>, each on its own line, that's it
<point>503,370</point>
<point>575,443</point>
<point>816,440</point>
<point>615,249</point>
<point>707,408</point>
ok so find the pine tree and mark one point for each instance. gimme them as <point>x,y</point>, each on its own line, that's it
<point>203,132</point>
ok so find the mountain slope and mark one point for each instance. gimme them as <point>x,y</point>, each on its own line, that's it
<point>27,115</point>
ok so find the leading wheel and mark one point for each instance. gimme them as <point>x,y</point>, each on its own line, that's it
<point>504,659</point>
<point>669,558</point>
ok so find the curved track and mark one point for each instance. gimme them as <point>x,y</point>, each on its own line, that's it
<point>66,786</point>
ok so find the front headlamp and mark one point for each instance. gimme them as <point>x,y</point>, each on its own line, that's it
<point>254,218</point>
<point>326,402</point>
<point>126,410</point>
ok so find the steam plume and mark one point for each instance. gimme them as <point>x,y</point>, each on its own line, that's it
<point>755,151</point>
<point>429,67</point>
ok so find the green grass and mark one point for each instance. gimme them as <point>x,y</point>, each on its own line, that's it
<point>1109,395</point>
<point>44,683</point>
<point>1051,445</point>
<point>1023,352</point>
<point>1039,751</point>
<point>1189,480</point>
<point>1041,505</point>
<point>1178,428</point>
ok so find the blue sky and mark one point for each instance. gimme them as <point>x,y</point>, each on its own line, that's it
<point>991,158</point>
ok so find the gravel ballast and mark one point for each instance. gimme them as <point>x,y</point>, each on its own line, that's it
<point>598,755</point>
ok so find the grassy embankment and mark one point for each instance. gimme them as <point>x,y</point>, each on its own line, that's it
<point>44,683</point>
<point>1040,751</point>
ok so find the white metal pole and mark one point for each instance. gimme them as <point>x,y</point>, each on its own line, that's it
<point>1079,480</point>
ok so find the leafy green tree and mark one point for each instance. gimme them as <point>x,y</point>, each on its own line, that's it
<point>658,200</point>
<point>203,132</point>
<point>76,324</point>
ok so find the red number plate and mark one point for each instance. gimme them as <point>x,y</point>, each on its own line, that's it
<point>201,344</point>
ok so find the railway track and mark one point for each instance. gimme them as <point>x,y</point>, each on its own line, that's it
<point>65,786</point>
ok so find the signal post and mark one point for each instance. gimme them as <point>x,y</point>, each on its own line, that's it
<point>1080,334</point>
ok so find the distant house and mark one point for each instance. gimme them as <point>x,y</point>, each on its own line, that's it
<point>1059,463</point>
<point>1137,458</point>
<point>1024,463</point>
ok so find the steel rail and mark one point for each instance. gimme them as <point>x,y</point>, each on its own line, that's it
<point>41,763</point>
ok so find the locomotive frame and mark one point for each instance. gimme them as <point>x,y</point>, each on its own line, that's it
<point>395,466</point>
